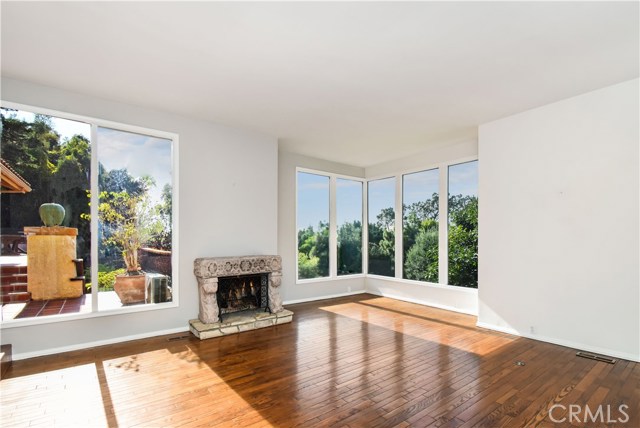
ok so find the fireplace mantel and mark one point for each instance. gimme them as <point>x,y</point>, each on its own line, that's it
<point>208,270</point>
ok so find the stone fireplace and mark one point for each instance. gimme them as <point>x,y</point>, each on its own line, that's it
<point>238,294</point>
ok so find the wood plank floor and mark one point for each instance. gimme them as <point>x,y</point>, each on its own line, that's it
<point>361,361</point>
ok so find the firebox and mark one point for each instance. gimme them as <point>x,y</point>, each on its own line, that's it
<point>243,293</point>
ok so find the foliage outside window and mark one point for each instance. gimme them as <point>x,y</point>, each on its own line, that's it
<point>134,211</point>
<point>349,223</point>
<point>381,224</point>
<point>463,224</point>
<point>313,225</point>
<point>134,192</point>
<point>420,225</point>
<point>54,156</point>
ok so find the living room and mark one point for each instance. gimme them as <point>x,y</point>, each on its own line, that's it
<point>541,97</point>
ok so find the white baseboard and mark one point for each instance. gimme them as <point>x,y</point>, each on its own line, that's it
<point>78,346</point>
<point>562,342</point>
<point>422,302</point>
<point>328,296</point>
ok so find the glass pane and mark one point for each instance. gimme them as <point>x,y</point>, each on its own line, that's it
<point>45,268</point>
<point>381,201</point>
<point>135,234</point>
<point>420,225</point>
<point>463,224</point>
<point>313,225</point>
<point>349,218</point>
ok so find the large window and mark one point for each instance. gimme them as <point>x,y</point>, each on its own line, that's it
<point>420,225</point>
<point>435,242</point>
<point>329,225</point>
<point>381,224</point>
<point>349,223</point>
<point>463,224</point>
<point>134,212</point>
<point>313,225</point>
<point>87,221</point>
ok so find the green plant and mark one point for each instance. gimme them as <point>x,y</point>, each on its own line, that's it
<point>107,279</point>
<point>123,216</point>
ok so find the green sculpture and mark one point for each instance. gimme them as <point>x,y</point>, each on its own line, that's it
<point>52,214</point>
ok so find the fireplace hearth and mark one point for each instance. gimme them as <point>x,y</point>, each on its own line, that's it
<point>238,294</point>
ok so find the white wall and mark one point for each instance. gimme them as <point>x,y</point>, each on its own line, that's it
<point>559,222</point>
<point>227,206</point>
<point>287,235</point>
<point>458,299</point>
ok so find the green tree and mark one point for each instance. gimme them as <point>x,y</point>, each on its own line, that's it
<point>313,251</point>
<point>420,220</point>
<point>463,241</point>
<point>421,260</point>
<point>382,243</point>
<point>58,171</point>
<point>350,248</point>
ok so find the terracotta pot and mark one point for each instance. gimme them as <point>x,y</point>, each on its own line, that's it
<point>130,289</point>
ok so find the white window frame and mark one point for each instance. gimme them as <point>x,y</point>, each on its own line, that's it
<point>443,225</point>
<point>95,123</point>
<point>333,227</point>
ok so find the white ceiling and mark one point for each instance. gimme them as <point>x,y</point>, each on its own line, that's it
<point>358,83</point>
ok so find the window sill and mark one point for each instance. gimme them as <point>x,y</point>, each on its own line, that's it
<point>50,319</point>
<point>425,284</point>
<point>330,278</point>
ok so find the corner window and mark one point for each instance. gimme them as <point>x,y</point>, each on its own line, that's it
<point>381,212</point>
<point>313,225</point>
<point>349,223</point>
<point>463,224</point>
<point>420,216</point>
<point>329,225</point>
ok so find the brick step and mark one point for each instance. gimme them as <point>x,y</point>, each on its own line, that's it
<point>12,269</point>
<point>16,286</point>
<point>13,278</point>
<point>15,297</point>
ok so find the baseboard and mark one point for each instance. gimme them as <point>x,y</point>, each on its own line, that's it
<point>561,342</point>
<point>325,297</point>
<point>422,302</point>
<point>76,347</point>
<point>507,330</point>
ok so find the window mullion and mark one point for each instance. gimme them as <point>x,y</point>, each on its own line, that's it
<point>333,229</point>
<point>399,257</point>
<point>443,226</point>
<point>365,227</point>
<point>94,218</point>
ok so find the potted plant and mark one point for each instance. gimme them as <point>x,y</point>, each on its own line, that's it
<point>122,215</point>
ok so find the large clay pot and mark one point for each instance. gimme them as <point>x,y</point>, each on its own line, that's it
<point>51,214</point>
<point>130,288</point>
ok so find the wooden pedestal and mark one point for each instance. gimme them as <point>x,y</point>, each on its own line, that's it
<point>50,266</point>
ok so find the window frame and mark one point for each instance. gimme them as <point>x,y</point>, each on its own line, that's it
<point>443,226</point>
<point>333,227</point>
<point>95,310</point>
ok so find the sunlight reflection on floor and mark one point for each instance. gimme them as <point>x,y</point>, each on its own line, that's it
<point>422,322</point>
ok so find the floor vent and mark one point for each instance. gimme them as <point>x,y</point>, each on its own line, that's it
<point>595,357</point>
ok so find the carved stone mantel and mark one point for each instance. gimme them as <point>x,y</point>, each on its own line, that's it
<point>208,270</point>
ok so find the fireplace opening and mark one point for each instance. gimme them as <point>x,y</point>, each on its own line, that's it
<point>243,293</point>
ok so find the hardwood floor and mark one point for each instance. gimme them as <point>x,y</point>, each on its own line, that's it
<point>362,361</point>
